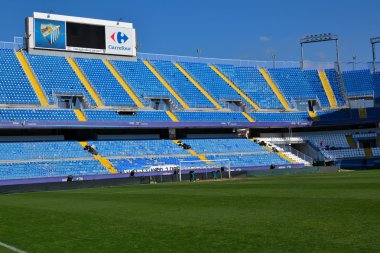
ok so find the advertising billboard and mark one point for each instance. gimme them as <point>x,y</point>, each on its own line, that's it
<point>120,41</point>
<point>50,34</point>
<point>58,32</point>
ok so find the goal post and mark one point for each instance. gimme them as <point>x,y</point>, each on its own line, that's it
<point>205,166</point>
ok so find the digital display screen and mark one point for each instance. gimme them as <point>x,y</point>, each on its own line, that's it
<point>85,36</point>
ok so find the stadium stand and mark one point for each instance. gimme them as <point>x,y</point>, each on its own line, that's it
<point>142,81</point>
<point>240,152</point>
<point>223,145</point>
<point>211,82</point>
<point>289,82</point>
<point>105,84</point>
<point>126,165</point>
<point>41,150</point>
<point>238,160</point>
<point>11,114</point>
<point>192,95</point>
<point>313,79</point>
<point>376,86</point>
<point>211,116</point>
<point>358,82</point>
<point>280,116</point>
<point>34,159</point>
<point>137,147</point>
<point>112,115</point>
<point>57,77</point>
<point>194,92</point>
<point>251,82</point>
<point>62,168</point>
<point>14,86</point>
<point>333,78</point>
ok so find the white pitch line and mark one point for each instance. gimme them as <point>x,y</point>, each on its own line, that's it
<point>12,248</point>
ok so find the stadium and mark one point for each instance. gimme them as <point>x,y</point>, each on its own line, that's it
<point>108,149</point>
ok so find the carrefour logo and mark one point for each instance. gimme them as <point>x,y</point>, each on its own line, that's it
<point>119,37</point>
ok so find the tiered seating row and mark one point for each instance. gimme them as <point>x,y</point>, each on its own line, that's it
<point>63,158</point>
<point>41,150</point>
<point>10,114</point>
<point>105,84</point>
<point>142,81</point>
<point>37,114</point>
<point>205,146</point>
<point>252,83</point>
<point>14,86</point>
<point>182,85</point>
<point>358,82</point>
<point>290,81</point>
<point>211,82</point>
<point>19,170</point>
<point>56,76</point>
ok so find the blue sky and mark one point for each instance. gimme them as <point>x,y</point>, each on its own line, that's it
<point>244,29</point>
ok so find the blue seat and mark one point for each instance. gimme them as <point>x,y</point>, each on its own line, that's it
<point>253,84</point>
<point>14,85</point>
<point>142,81</point>
<point>138,116</point>
<point>192,95</point>
<point>104,83</point>
<point>56,76</point>
<point>8,114</point>
<point>358,82</point>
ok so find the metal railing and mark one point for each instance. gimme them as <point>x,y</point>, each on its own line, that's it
<point>294,151</point>
<point>17,44</point>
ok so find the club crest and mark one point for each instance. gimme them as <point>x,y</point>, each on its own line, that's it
<point>50,32</point>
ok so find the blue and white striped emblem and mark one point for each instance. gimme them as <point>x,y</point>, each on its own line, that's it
<point>50,32</point>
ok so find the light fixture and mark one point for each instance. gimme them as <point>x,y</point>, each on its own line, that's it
<point>50,12</point>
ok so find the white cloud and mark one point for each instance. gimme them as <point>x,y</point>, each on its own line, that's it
<point>263,38</point>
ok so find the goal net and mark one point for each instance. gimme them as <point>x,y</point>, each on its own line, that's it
<point>204,169</point>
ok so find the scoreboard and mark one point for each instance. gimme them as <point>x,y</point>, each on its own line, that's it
<point>66,33</point>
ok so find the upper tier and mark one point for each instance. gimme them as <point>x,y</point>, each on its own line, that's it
<point>184,84</point>
<point>167,91</point>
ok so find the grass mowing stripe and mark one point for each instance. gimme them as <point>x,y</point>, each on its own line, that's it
<point>11,248</point>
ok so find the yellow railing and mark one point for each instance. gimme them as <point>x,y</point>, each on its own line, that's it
<point>327,87</point>
<point>123,84</point>
<point>313,116</point>
<point>80,115</point>
<point>85,82</point>
<point>196,84</point>
<point>233,86</point>
<point>167,85</point>
<point>362,113</point>
<point>193,153</point>
<point>248,117</point>
<point>103,161</point>
<point>172,116</point>
<point>275,89</point>
<point>32,79</point>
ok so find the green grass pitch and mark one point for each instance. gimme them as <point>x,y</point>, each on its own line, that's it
<point>300,213</point>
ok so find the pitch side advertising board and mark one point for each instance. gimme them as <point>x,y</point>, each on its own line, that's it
<point>92,36</point>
